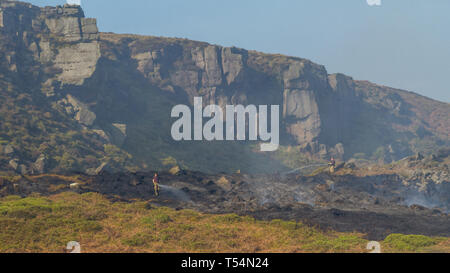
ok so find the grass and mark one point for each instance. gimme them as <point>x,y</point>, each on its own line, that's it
<point>37,224</point>
<point>412,243</point>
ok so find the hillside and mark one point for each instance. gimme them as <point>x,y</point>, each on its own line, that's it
<point>74,99</point>
<point>410,196</point>
<point>38,224</point>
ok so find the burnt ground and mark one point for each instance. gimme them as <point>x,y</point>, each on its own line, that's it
<point>376,205</point>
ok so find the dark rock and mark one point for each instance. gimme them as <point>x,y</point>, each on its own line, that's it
<point>443,153</point>
<point>418,207</point>
<point>350,165</point>
<point>340,166</point>
<point>419,157</point>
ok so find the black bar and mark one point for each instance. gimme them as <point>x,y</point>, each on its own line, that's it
<point>173,263</point>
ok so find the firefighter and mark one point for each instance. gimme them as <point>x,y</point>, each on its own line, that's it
<point>332,165</point>
<point>156,184</point>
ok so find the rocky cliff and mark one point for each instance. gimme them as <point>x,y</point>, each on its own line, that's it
<point>119,89</point>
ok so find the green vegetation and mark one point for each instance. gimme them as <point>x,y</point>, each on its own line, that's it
<point>38,224</point>
<point>32,125</point>
<point>411,243</point>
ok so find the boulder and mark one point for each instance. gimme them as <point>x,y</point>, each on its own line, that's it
<point>102,135</point>
<point>323,151</point>
<point>339,150</point>
<point>103,167</point>
<point>83,114</point>
<point>96,171</point>
<point>224,183</point>
<point>39,165</point>
<point>74,186</point>
<point>14,164</point>
<point>1,19</point>
<point>8,150</point>
<point>175,170</point>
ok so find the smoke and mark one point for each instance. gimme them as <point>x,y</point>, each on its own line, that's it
<point>178,194</point>
<point>74,2</point>
<point>417,199</point>
<point>430,202</point>
<point>374,2</point>
<point>269,190</point>
<point>305,167</point>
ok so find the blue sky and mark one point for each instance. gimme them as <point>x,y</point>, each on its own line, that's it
<point>402,43</point>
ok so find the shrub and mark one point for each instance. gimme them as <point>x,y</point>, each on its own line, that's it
<point>228,218</point>
<point>289,225</point>
<point>409,242</point>
<point>340,244</point>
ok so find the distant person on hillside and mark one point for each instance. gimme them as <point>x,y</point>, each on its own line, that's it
<point>156,184</point>
<point>332,165</point>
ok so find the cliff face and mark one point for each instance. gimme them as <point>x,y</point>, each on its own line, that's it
<point>121,88</point>
<point>235,76</point>
<point>322,113</point>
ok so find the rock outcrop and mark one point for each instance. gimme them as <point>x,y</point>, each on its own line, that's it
<point>331,114</point>
<point>8,150</point>
<point>102,80</point>
<point>57,35</point>
<point>39,165</point>
<point>82,113</point>
<point>14,164</point>
<point>118,133</point>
